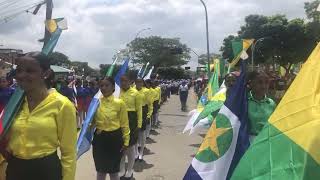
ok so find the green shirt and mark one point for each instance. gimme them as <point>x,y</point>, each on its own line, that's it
<point>259,113</point>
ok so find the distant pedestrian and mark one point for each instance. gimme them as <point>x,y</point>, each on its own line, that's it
<point>183,92</point>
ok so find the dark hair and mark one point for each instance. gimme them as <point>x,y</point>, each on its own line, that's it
<point>110,79</point>
<point>44,62</point>
<point>254,74</point>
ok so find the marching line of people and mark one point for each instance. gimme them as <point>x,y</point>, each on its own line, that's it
<point>52,112</point>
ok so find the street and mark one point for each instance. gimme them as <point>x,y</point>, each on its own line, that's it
<point>169,152</point>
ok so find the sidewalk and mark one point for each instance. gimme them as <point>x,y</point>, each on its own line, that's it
<point>169,152</point>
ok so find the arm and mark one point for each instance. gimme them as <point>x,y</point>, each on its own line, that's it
<point>67,134</point>
<point>138,105</point>
<point>159,95</point>
<point>150,104</point>
<point>124,124</point>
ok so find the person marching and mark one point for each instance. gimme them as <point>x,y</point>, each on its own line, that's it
<point>133,100</point>
<point>151,98</point>
<point>183,93</point>
<point>260,107</point>
<point>45,123</point>
<point>111,137</point>
<point>5,94</point>
<point>156,104</point>
<point>146,115</point>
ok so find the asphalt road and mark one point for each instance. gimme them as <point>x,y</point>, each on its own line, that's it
<point>169,152</point>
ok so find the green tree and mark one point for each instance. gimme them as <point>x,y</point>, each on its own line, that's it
<point>281,42</point>
<point>172,73</point>
<point>160,52</point>
<point>226,48</point>
<point>311,10</point>
<point>203,58</point>
<point>59,59</point>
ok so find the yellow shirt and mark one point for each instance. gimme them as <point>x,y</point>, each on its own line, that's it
<point>133,101</point>
<point>51,125</point>
<point>157,93</point>
<point>112,115</point>
<point>148,99</point>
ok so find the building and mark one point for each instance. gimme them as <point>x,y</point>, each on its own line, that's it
<point>9,55</point>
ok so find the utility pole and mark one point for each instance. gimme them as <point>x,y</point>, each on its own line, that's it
<point>207,33</point>
<point>49,6</point>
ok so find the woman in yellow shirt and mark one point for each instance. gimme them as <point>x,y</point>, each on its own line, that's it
<point>147,109</point>
<point>46,122</point>
<point>133,101</point>
<point>112,135</point>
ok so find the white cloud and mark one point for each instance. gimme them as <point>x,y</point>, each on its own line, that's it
<point>99,28</point>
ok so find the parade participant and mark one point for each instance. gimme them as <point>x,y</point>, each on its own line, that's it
<point>112,135</point>
<point>156,104</point>
<point>81,102</point>
<point>67,91</point>
<point>146,115</point>
<point>151,98</point>
<point>5,92</point>
<point>45,123</point>
<point>133,101</point>
<point>183,92</point>
<point>260,107</point>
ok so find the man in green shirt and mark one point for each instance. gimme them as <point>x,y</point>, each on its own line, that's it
<point>260,107</point>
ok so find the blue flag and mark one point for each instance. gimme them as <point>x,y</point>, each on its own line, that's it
<point>120,73</point>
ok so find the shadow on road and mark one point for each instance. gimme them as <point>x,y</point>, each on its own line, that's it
<point>195,145</point>
<point>154,132</point>
<point>150,141</point>
<point>147,152</point>
<point>203,135</point>
<point>140,166</point>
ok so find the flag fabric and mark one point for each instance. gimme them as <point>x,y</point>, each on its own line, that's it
<point>55,27</point>
<point>148,76</point>
<point>214,101</point>
<point>139,75</point>
<point>226,140</point>
<point>11,109</point>
<point>288,146</point>
<point>210,111</point>
<point>145,69</point>
<point>7,115</point>
<point>111,68</point>
<point>120,73</point>
<point>239,48</point>
<point>86,133</point>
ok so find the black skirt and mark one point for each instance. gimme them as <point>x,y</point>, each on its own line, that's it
<point>48,168</point>
<point>106,149</point>
<point>144,117</point>
<point>133,124</point>
<point>155,107</point>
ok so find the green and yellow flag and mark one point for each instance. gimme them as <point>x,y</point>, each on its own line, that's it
<point>239,48</point>
<point>289,145</point>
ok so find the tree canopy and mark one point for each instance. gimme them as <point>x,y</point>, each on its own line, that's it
<point>60,59</point>
<point>281,41</point>
<point>160,52</point>
<point>203,60</point>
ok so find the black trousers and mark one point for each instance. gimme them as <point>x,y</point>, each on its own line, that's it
<point>46,168</point>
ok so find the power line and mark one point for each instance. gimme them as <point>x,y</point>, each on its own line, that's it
<point>6,17</point>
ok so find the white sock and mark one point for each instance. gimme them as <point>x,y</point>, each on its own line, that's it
<point>131,160</point>
<point>148,130</point>
<point>123,165</point>
<point>143,143</point>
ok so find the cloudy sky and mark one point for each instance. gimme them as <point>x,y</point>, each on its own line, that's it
<point>99,28</point>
